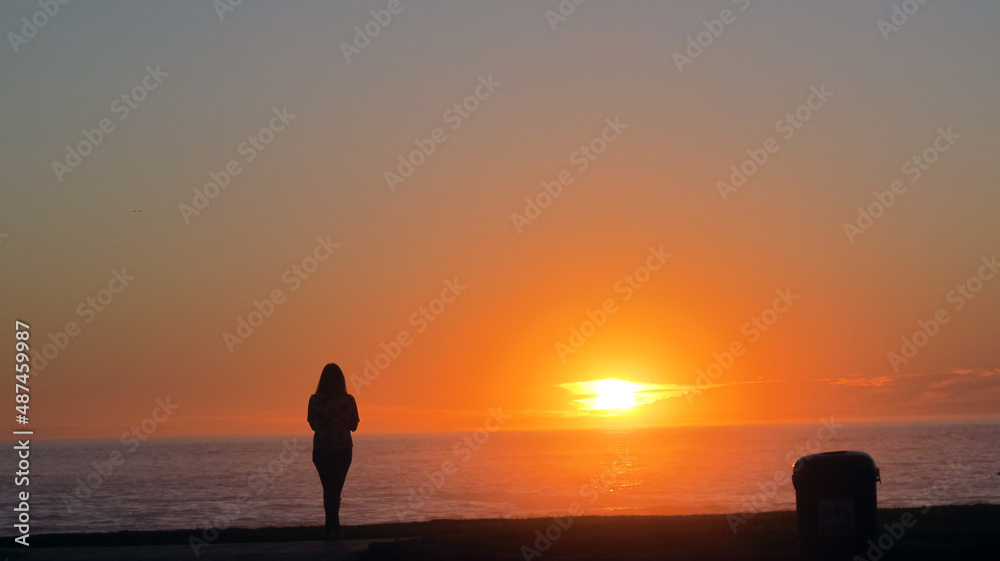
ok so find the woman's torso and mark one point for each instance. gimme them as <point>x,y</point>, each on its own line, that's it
<point>332,418</point>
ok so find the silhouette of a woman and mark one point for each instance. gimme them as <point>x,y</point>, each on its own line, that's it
<point>333,414</point>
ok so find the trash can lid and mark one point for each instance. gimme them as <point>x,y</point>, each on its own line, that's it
<point>838,461</point>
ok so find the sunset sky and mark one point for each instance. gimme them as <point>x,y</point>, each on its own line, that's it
<point>442,264</point>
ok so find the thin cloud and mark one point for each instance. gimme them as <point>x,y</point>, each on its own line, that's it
<point>871,382</point>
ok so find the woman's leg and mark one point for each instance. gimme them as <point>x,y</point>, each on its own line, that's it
<point>340,463</point>
<point>325,466</point>
<point>332,465</point>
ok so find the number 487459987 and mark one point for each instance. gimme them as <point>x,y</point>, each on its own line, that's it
<point>22,371</point>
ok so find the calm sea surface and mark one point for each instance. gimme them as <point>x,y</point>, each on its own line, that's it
<point>177,484</point>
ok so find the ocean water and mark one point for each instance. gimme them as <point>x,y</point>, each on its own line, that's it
<point>178,484</point>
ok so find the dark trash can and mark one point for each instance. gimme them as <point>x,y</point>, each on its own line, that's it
<point>836,504</point>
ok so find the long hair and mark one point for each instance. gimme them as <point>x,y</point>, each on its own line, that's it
<point>332,382</point>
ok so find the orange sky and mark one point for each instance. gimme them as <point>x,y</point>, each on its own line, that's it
<point>822,112</point>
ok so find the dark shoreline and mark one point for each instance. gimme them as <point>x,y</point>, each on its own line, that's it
<point>969,531</point>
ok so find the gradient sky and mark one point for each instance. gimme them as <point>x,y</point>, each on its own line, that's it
<point>495,345</point>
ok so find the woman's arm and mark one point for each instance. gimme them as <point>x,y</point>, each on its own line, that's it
<point>311,415</point>
<point>356,419</point>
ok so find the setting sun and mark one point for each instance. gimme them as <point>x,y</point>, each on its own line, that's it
<point>613,394</point>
